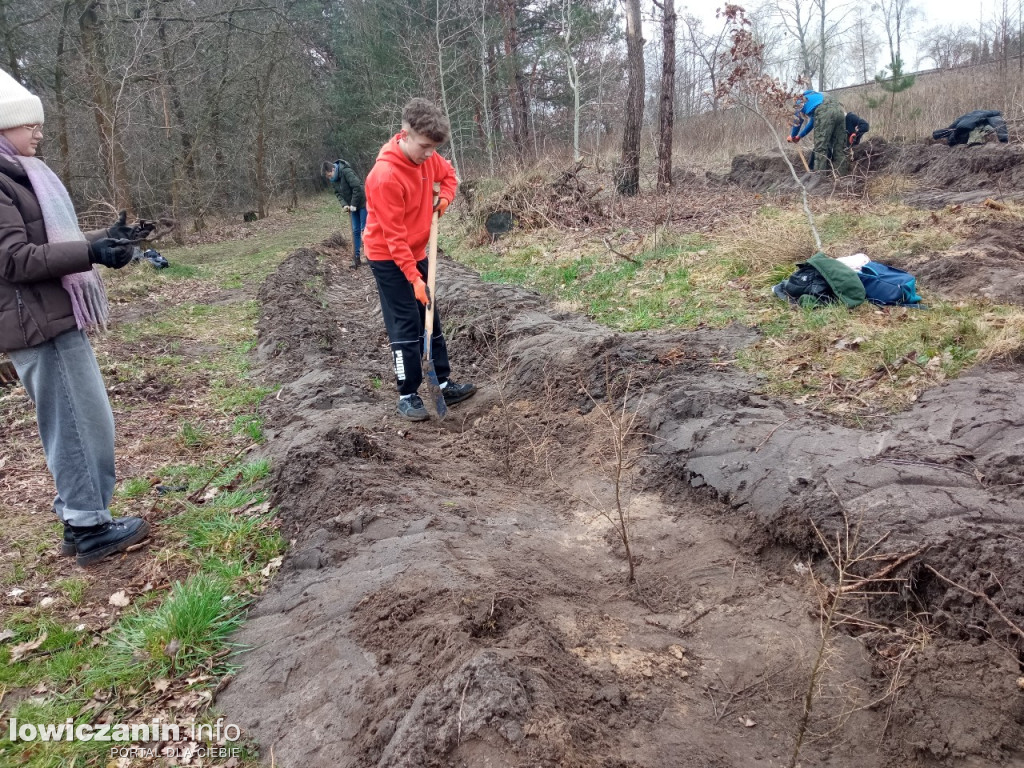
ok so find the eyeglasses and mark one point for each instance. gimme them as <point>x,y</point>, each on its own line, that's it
<point>34,129</point>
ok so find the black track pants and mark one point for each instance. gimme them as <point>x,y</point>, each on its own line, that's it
<point>404,317</point>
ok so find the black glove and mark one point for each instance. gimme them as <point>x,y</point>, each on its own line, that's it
<point>111,252</point>
<point>140,230</point>
<point>143,229</point>
<point>121,230</point>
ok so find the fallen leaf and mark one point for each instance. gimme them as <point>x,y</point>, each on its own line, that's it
<point>6,635</point>
<point>747,722</point>
<point>16,592</point>
<point>22,649</point>
<point>273,565</point>
<point>161,685</point>
<point>41,688</point>
<point>46,602</point>
<point>119,599</point>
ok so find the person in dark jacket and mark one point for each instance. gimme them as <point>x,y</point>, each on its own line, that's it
<point>972,127</point>
<point>856,127</point>
<point>50,294</point>
<point>349,191</point>
<point>823,114</point>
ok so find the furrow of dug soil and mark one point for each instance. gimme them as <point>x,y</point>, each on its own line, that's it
<point>454,595</point>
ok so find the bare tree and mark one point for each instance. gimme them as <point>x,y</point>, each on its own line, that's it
<point>628,181</point>
<point>666,102</point>
<point>863,45</point>
<point>949,46</point>
<point>797,17</point>
<point>572,75</point>
<point>898,16</point>
<point>708,47</point>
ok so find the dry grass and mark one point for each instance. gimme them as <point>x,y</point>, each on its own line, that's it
<point>1006,340</point>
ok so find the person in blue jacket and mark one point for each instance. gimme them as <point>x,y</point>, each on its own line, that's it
<point>826,116</point>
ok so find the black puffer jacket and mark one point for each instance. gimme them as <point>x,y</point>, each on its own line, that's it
<point>347,186</point>
<point>960,129</point>
<point>34,307</point>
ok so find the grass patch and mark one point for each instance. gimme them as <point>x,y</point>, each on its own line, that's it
<point>189,626</point>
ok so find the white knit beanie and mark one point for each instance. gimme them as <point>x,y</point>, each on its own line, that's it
<point>17,105</point>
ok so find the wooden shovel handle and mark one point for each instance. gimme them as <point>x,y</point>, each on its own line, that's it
<point>428,324</point>
<point>803,159</point>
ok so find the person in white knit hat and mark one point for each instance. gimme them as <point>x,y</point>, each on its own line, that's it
<point>50,295</point>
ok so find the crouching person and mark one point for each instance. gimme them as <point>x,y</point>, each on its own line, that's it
<point>400,201</point>
<point>49,296</point>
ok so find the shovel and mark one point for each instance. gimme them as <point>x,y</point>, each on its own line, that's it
<point>433,386</point>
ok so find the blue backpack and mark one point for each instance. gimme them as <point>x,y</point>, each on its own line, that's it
<point>887,285</point>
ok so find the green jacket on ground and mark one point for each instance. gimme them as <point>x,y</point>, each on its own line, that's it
<point>844,282</point>
<point>347,185</point>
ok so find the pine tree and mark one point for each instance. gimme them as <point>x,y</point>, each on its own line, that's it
<point>894,82</point>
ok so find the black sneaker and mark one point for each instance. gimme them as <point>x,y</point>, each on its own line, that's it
<point>355,261</point>
<point>411,408</point>
<point>95,542</point>
<point>456,393</point>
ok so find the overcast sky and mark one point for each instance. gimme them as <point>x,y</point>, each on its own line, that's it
<point>933,13</point>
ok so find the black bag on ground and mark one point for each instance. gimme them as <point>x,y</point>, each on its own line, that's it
<point>806,281</point>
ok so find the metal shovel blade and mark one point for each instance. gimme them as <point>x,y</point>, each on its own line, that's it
<point>434,393</point>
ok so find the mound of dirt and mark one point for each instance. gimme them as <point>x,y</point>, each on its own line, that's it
<point>455,596</point>
<point>942,175</point>
<point>990,264</point>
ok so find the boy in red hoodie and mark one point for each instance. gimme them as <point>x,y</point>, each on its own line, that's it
<point>400,205</point>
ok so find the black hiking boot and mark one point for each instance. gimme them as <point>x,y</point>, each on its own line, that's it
<point>411,408</point>
<point>94,542</point>
<point>456,393</point>
<point>355,261</point>
<point>67,546</point>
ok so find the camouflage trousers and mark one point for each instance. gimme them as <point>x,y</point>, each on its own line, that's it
<point>830,137</point>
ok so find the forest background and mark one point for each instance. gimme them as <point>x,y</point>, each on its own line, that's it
<point>196,109</point>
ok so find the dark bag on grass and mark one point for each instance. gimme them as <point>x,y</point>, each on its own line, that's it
<point>888,285</point>
<point>807,281</point>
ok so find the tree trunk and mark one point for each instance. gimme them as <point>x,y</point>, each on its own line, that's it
<point>629,165</point>
<point>486,128</point>
<point>104,108</point>
<point>293,177</point>
<point>169,88</point>
<point>666,104</point>
<point>60,99</point>
<point>261,152</point>
<point>519,102</point>
<point>495,98</point>
<point>822,43</point>
<point>452,137</point>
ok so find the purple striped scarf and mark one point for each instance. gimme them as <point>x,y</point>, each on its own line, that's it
<point>88,296</point>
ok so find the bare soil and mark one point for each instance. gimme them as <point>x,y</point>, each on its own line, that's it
<point>454,598</point>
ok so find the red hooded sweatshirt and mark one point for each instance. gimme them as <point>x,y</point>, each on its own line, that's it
<point>399,206</point>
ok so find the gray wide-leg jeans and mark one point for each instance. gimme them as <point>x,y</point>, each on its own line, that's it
<point>76,424</point>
